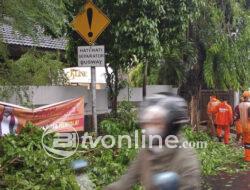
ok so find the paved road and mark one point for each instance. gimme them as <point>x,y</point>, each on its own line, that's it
<point>240,181</point>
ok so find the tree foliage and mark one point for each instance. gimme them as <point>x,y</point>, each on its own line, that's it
<point>227,46</point>
<point>27,16</point>
<point>33,68</point>
<point>136,77</point>
<point>140,28</point>
<point>146,29</point>
<point>212,50</point>
<point>31,18</point>
<point>25,165</point>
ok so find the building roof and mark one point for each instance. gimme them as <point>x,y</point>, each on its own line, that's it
<point>11,36</point>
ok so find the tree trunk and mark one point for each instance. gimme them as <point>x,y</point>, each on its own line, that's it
<point>145,75</point>
<point>113,88</point>
<point>195,110</point>
<point>198,82</point>
<point>116,92</point>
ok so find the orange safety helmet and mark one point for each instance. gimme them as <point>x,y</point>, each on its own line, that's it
<point>246,94</point>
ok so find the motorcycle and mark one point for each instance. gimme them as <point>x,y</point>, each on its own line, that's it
<point>163,181</point>
<point>167,181</point>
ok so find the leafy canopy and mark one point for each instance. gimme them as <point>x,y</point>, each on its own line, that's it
<point>31,17</point>
<point>33,68</point>
<point>226,34</point>
<point>213,50</point>
<point>139,28</point>
<point>26,15</point>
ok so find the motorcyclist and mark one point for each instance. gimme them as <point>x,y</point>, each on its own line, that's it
<point>162,115</point>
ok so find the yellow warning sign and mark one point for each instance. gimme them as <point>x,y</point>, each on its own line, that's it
<point>90,23</point>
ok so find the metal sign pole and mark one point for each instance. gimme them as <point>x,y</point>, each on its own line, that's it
<point>93,97</point>
<point>83,23</point>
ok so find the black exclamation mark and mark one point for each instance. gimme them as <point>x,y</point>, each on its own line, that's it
<point>90,17</point>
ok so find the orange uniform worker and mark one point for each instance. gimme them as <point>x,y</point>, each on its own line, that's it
<point>211,112</point>
<point>224,118</point>
<point>246,137</point>
<point>237,121</point>
<point>245,121</point>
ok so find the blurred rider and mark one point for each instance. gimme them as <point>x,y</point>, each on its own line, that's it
<point>162,116</point>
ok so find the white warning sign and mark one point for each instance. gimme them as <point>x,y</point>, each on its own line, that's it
<point>91,56</point>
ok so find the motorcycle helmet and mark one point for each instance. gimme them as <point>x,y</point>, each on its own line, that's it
<point>173,107</point>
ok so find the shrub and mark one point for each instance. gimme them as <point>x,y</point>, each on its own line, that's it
<point>124,122</point>
<point>107,165</point>
<point>26,166</point>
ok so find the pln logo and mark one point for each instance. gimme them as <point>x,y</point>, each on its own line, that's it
<point>60,145</point>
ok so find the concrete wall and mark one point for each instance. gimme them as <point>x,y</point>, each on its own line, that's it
<point>44,95</point>
<point>135,94</point>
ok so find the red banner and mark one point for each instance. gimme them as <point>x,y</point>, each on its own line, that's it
<point>63,116</point>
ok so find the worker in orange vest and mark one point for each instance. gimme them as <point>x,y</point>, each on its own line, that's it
<point>238,125</point>
<point>211,112</point>
<point>245,121</point>
<point>224,119</point>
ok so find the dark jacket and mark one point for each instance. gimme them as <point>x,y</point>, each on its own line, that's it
<point>182,161</point>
